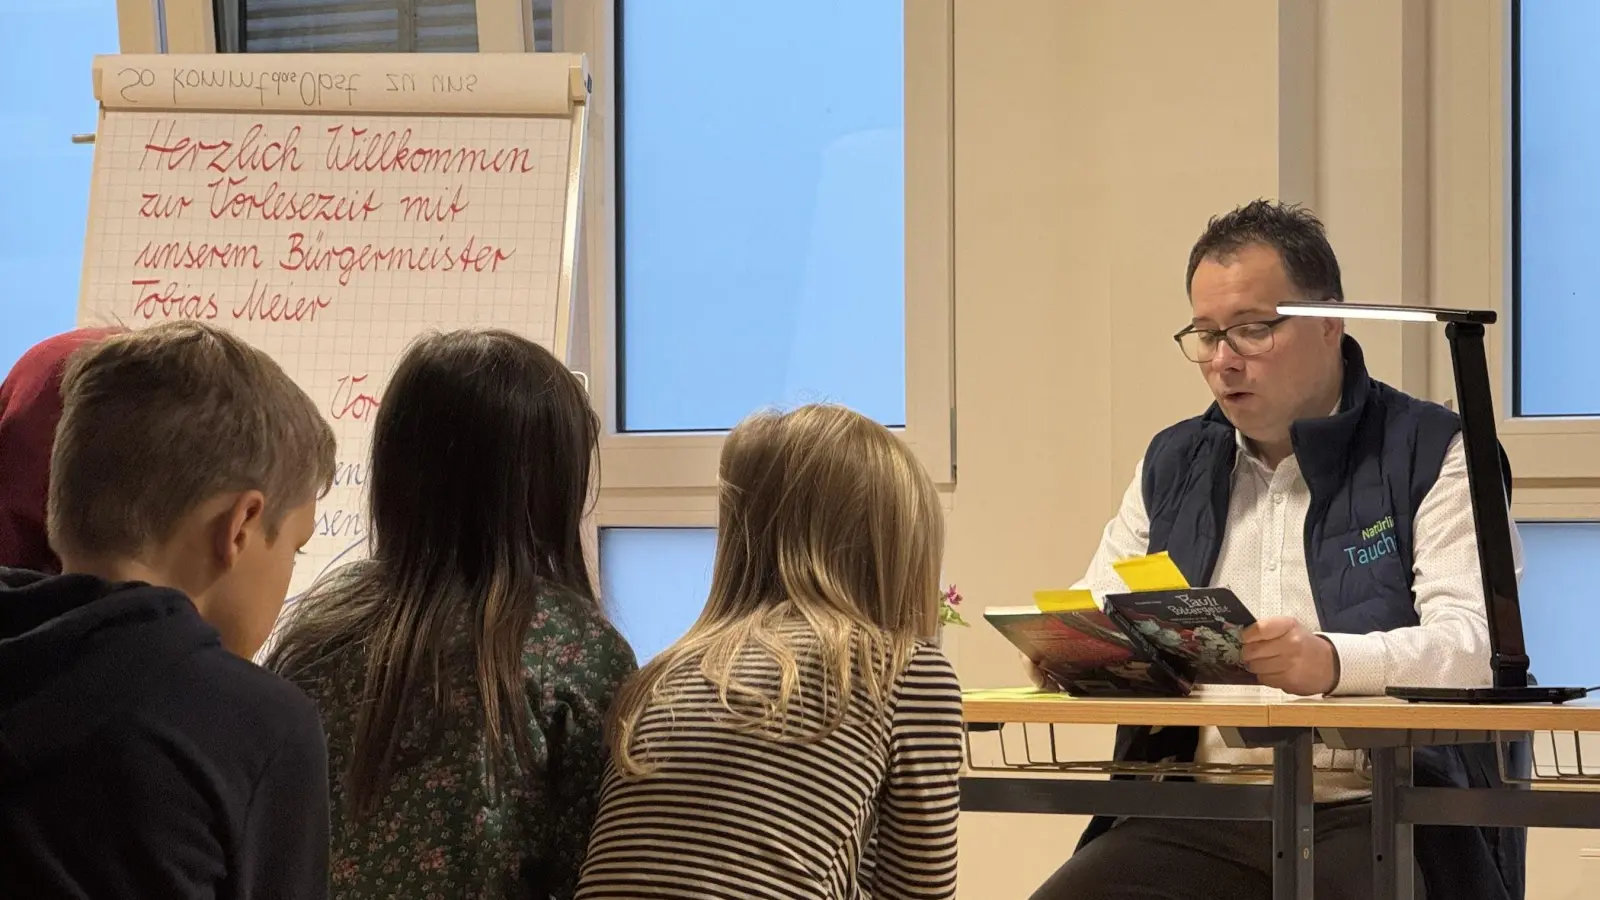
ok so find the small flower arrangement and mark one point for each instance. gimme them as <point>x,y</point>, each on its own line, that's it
<point>949,613</point>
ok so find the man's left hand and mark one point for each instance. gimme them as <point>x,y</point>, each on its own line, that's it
<point>1288,656</point>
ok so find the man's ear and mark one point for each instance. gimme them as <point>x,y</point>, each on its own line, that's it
<point>242,517</point>
<point>1333,330</point>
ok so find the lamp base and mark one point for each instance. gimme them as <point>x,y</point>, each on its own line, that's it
<point>1531,694</point>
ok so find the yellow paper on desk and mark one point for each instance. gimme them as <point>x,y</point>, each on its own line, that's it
<point>1015,693</point>
<point>1064,601</point>
<point>1156,572</point>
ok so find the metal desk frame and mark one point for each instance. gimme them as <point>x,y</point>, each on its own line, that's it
<point>1397,805</point>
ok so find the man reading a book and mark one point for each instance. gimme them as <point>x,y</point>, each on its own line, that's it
<point>1337,508</point>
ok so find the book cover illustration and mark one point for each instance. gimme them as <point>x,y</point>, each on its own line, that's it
<point>1085,652</point>
<point>1200,629</point>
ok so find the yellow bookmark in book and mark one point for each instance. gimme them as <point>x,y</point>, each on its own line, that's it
<point>1014,693</point>
<point>1064,601</point>
<point>1156,572</point>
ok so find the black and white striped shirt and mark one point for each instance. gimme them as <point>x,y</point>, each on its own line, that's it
<point>867,812</point>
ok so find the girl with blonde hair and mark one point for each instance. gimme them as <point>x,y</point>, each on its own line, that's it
<point>804,738</point>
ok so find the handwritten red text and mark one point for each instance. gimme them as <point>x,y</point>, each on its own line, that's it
<point>253,153</point>
<point>191,255</point>
<point>161,206</point>
<point>350,401</point>
<point>268,304</point>
<point>355,149</point>
<point>349,259</point>
<point>418,208</point>
<point>170,301</point>
<point>234,198</point>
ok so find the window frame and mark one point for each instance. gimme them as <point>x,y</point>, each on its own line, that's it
<point>1555,459</point>
<point>190,26</point>
<point>669,479</point>
<point>139,25</point>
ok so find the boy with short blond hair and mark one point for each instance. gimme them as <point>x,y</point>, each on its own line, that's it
<point>142,755</point>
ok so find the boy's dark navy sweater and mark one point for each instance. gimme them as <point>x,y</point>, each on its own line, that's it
<point>140,759</point>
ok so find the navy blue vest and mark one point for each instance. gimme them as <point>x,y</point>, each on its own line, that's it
<point>1368,468</point>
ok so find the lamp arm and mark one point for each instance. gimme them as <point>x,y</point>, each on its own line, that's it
<point>1487,488</point>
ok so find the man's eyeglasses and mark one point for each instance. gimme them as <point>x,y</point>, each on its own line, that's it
<point>1245,339</point>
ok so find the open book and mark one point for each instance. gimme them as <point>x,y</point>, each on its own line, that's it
<point>1158,639</point>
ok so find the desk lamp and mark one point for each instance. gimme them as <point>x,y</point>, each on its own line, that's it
<point>1464,329</point>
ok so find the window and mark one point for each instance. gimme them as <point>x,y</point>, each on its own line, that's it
<point>772,238</point>
<point>544,25</point>
<point>1510,183</point>
<point>347,26</point>
<point>654,582</point>
<point>361,26</point>
<point>762,228</point>
<point>1556,191</point>
<point>1558,580</point>
<point>46,48</point>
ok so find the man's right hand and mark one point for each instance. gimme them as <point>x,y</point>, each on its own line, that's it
<point>1037,676</point>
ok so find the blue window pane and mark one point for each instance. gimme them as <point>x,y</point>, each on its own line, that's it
<point>1557,584</point>
<point>762,208</point>
<point>46,53</point>
<point>1558,320</point>
<point>654,582</point>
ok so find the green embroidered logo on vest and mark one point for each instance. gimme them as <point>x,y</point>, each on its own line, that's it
<point>1380,543</point>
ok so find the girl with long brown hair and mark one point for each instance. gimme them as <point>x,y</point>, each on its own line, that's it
<point>464,668</point>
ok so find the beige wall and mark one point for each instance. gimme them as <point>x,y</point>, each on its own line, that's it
<point>1092,141</point>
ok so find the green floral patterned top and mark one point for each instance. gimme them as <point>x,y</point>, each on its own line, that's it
<point>438,834</point>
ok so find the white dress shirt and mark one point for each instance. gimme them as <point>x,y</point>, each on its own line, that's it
<point>1262,560</point>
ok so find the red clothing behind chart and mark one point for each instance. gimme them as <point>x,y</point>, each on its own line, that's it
<point>30,407</point>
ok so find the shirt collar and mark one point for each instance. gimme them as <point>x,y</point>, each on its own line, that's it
<point>1242,443</point>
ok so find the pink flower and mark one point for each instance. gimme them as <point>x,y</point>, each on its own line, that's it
<point>948,601</point>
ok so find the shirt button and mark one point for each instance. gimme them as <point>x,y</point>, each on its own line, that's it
<point>1278,499</point>
<point>1272,565</point>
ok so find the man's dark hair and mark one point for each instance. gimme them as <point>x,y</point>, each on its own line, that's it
<point>1292,230</point>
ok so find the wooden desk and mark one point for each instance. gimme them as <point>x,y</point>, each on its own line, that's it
<point>1383,712</point>
<point>993,707</point>
<point>1059,709</point>
<point>1387,729</point>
